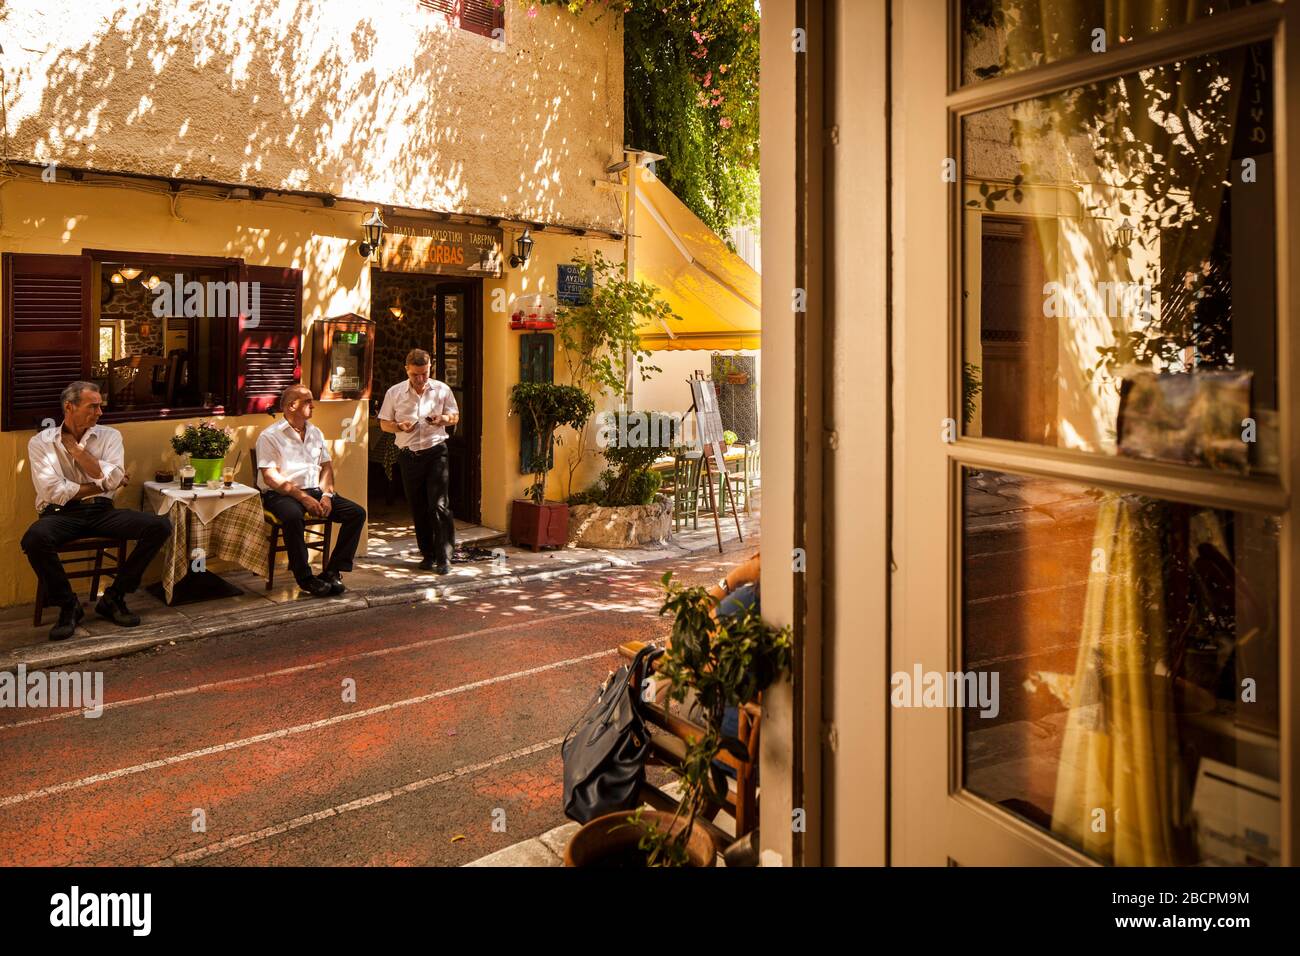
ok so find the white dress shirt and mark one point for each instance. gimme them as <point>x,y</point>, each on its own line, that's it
<point>58,477</point>
<point>402,403</point>
<point>297,459</point>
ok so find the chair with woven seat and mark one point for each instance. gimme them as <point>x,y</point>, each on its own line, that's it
<point>111,548</point>
<point>668,742</point>
<point>317,539</point>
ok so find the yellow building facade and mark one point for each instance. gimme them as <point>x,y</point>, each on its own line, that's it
<point>253,141</point>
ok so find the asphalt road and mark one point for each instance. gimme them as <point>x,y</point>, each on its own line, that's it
<point>250,749</point>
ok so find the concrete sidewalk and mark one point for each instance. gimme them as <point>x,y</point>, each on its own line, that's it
<point>548,849</point>
<point>387,574</point>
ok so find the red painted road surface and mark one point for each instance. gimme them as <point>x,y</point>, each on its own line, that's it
<point>243,750</point>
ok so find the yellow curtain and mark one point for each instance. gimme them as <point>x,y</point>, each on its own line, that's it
<point>1115,783</point>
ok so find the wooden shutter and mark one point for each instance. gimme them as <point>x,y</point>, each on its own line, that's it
<point>47,340</point>
<point>476,16</point>
<point>536,364</point>
<point>269,354</point>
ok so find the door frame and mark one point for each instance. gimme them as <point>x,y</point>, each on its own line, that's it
<point>471,370</point>
<point>933,820</point>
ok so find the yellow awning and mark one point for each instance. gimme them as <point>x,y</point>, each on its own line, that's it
<point>714,291</point>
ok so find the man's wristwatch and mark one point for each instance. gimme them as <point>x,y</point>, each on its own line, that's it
<point>327,494</point>
<point>722,585</point>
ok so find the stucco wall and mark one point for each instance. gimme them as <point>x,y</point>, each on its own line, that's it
<point>381,102</point>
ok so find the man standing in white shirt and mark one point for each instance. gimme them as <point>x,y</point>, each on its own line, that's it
<point>416,412</point>
<point>77,468</point>
<point>296,476</point>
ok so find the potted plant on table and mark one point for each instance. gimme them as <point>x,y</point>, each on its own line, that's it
<point>206,443</point>
<point>725,663</point>
<point>534,521</point>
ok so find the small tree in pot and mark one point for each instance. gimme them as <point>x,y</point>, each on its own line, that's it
<point>725,662</point>
<point>536,522</point>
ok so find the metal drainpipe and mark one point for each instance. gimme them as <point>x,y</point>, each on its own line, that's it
<point>633,172</point>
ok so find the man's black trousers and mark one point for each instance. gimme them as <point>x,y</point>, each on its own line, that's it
<point>425,477</point>
<point>348,514</point>
<point>92,517</point>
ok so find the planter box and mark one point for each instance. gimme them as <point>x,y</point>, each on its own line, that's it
<point>631,526</point>
<point>539,526</point>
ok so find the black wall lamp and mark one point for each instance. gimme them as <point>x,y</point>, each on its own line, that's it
<point>524,247</point>
<point>374,226</point>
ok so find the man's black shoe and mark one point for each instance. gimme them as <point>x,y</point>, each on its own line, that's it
<point>443,568</point>
<point>426,564</point>
<point>69,617</point>
<point>335,581</point>
<point>316,587</point>
<point>112,606</point>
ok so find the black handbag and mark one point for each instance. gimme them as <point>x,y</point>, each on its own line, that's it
<point>604,751</point>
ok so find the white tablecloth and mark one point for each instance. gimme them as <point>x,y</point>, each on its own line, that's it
<point>205,503</point>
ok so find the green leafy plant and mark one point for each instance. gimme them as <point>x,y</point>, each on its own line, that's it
<point>630,442</point>
<point>725,662</point>
<point>690,93</point>
<point>548,407</point>
<point>204,440</point>
<point>730,437</point>
<point>971,386</point>
<point>598,337</point>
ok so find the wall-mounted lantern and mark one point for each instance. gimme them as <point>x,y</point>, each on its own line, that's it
<point>374,226</point>
<point>523,249</point>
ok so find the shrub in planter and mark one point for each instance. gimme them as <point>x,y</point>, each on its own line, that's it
<point>206,444</point>
<point>724,663</point>
<point>536,522</point>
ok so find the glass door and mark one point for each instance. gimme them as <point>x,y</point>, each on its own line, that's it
<point>457,365</point>
<point>1103,679</point>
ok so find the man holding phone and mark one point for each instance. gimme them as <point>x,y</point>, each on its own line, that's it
<point>416,412</point>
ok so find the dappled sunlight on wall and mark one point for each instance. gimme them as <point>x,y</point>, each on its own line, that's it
<point>383,103</point>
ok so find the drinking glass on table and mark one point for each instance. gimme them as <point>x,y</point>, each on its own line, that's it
<point>228,475</point>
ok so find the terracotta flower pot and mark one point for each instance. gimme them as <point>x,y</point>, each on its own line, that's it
<point>539,526</point>
<point>610,841</point>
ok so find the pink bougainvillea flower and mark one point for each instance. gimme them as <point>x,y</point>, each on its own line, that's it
<point>725,122</point>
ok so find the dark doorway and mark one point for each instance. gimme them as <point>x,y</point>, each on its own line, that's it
<point>443,317</point>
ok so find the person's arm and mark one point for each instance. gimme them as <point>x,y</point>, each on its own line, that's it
<point>737,577</point>
<point>278,482</point>
<point>84,459</point>
<point>327,487</point>
<point>112,462</point>
<point>47,476</point>
<point>450,412</point>
<point>388,414</point>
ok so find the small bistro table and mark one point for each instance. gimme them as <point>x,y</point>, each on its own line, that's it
<point>226,523</point>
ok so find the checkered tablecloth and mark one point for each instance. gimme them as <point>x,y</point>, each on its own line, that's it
<point>238,534</point>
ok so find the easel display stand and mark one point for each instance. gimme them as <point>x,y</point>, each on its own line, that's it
<point>704,403</point>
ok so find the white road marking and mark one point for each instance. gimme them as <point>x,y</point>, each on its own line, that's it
<point>213,685</point>
<point>266,833</point>
<point>58,788</point>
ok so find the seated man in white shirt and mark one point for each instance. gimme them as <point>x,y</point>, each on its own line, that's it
<point>296,477</point>
<point>77,468</point>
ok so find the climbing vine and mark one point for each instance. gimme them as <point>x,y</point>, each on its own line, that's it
<point>690,89</point>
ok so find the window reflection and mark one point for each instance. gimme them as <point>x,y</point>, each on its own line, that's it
<point>1120,266</point>
<point>1007,36</point>
<point>1135,641</point>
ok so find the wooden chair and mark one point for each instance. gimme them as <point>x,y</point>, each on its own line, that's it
<point>101,548</point>
<point>317,540</point>
<point>687,491</point>
<point>743,481</point>
<point>668,749</point>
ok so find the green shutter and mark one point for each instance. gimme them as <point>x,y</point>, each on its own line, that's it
<point>536,364</point>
